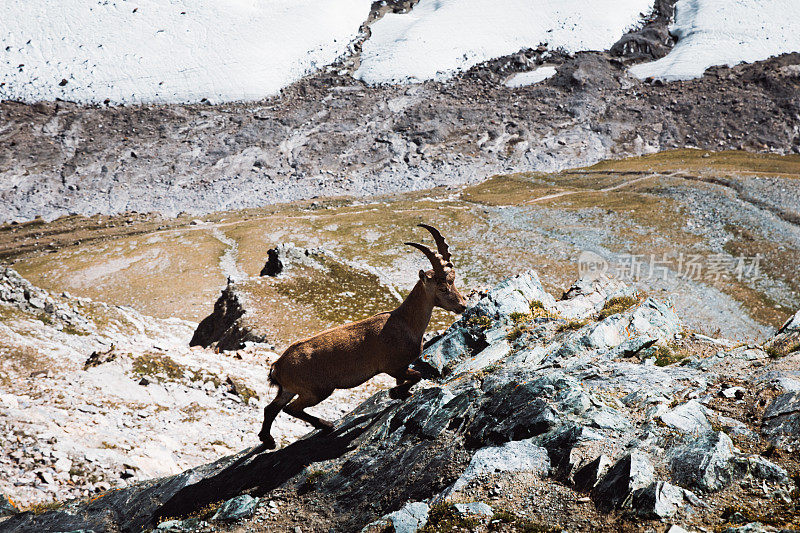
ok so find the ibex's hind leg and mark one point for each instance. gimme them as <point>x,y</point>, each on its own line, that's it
<point>270,412</point>
<point>405,380</point>
<point>307,400</point>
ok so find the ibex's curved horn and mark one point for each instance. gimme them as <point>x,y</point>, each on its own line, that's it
<point>435,259</point>
<point>441,244</point>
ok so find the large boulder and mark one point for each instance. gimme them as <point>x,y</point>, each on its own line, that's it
<point>781,420</point>
<point>410,519</point>
<point>787,340</point>
<point>705,463</point>
<point>222,328</point>
<point>632,472</point>
<point>470,335</point>
<point>588,295</point>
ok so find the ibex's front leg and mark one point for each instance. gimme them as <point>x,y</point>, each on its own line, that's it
<point>405,380</point>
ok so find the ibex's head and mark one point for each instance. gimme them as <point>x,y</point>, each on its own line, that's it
<point>439,282</point>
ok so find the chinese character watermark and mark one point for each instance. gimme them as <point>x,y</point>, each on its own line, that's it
<point>648,267</point>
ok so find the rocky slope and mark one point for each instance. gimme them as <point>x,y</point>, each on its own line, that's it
<point>596,411</point>
<point>96,396</point>
<point>330,135</point>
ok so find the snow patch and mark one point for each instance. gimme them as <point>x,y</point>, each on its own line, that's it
<point>725,32</point>
<point>529,78</point>
<point>168,50</point>
<point>439,38</point>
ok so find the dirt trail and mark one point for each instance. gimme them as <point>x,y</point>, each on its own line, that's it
<point>228,260</point>
<point>607,189</point>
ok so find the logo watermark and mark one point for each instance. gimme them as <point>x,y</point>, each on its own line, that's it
<point>693,267</point>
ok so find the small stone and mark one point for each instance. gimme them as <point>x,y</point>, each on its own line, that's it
<point>62,465</point>
<point>676,529</point>
<point>181,526</point>
<point>46,477</point>
<point>752,527</point>
<point>239,507</point>
<point>473,508</point>
<point>6,507</point>
<point>733,393</point>
<point>410,518</point>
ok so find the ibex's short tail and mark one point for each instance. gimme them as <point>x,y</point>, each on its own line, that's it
<point>271,377</point>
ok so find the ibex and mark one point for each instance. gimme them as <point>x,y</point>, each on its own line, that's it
<point>347,356</point>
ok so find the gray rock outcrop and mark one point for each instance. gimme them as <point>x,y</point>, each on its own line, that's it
<point>584,417</point>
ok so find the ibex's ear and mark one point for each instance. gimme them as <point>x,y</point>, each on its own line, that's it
<point>422,275</point>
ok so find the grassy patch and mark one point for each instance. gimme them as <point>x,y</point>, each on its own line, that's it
<point>23,360</point>
<point>338,293</point>
<point>41,508</point>
<point>617,305</point>
<point>510,189</point>
<point>520,318</point>
<point>692,160</point>
<point>44,318</point>
<point>571,325</point>
<point>777,514</point>
<point>537,310</point>
<point>516,332</point>
<point>160,367</point>
<point>502,519</point>
<point>72,330</point>
<point>666,355</point>
<point>479,321</point>
<point>522,321</point>
<point>443,518</point>
<point>241,390</point>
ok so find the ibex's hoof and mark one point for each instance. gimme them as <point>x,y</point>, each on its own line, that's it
<point>325,426</point>
<point>269,442</point>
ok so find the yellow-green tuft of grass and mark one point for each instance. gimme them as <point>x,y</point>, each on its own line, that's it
<point>72,330</point>
<point>46,319</point>
<point>41,508</point>
<point>479,321</point>
<point>313,479</point>
<point>571,325</point>
<point>776,351</point>
<point>666,356</point>
<point>617,305</point>
<point>242,391</point>
<point>502,519</point>
<point>516,332</point>
<point>536,310</point>
<point>520,318</point>
<point>443,518</point>
<point>158,366</point>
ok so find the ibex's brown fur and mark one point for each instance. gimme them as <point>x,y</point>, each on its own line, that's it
<point>347,356</point>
